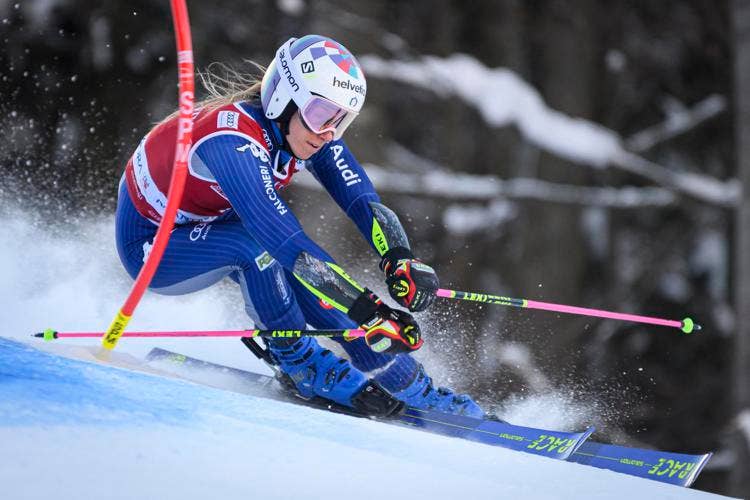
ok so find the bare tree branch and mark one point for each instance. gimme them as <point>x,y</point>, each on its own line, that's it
<point>459,186</point>
<point>503,98</point>
<point>676,124</point>
<point>702,187</point>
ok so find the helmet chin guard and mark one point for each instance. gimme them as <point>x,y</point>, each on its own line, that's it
<point>308,69</point>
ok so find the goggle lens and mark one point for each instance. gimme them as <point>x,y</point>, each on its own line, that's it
<point>321,115</point>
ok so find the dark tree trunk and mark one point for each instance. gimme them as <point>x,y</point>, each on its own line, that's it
<point>741,17</point>
<point>554,251</point>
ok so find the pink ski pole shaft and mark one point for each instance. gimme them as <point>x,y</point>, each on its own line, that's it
<point>50,334</point>
<point>687,325</point>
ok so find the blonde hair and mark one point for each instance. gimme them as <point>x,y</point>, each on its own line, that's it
<point>226,84</point>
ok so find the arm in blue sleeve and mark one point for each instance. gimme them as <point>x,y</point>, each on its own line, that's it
<point>242,168</point>
<point>346,180</point>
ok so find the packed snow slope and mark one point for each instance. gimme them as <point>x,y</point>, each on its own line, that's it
<point>75,429</point>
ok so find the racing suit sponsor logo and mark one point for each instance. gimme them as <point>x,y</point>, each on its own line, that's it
<point>264,261</point>
<point>282,286</point>
<point>256,149</point>
<point>266,174</point>
<point>349,176</point>
<point>228,119</point>
<point>266,138</point>
<point>268,185</point>
<point>200,231</point>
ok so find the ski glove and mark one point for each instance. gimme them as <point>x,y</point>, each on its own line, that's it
<point>388,330</point>
<point>411,283</point>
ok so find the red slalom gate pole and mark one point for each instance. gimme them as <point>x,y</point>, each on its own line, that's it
<point>179,174</point>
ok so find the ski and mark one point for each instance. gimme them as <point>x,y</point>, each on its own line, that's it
<point>673,468</point>
<point>554,444</point>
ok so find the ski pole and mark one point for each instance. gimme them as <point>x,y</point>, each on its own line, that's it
<point>50,334</point>
<point>686,325</point>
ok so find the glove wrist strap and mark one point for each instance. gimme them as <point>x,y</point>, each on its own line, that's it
<point>364,308</point>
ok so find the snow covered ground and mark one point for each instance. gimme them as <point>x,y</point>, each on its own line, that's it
<point>73,429</point>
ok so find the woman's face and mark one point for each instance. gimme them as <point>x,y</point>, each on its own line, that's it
<point>303,142</point>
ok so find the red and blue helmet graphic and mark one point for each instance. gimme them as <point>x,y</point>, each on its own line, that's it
<point>330,49</point>
<point>339,55</point>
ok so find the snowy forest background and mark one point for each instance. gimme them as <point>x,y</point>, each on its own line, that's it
<point>583,152</point>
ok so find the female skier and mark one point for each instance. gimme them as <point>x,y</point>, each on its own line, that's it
<point>248,144</point>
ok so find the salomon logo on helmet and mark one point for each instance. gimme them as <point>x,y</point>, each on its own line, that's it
<point>287,71</point>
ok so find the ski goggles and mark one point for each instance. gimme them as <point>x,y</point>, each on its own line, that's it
<point>320,115</point>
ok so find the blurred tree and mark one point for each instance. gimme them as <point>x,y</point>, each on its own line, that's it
<point>741,380</point>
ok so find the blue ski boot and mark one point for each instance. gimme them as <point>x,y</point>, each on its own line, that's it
<point>312,371</point>
<point>421,394</point>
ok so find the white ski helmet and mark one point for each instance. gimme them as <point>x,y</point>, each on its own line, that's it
<point>321,77</point>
